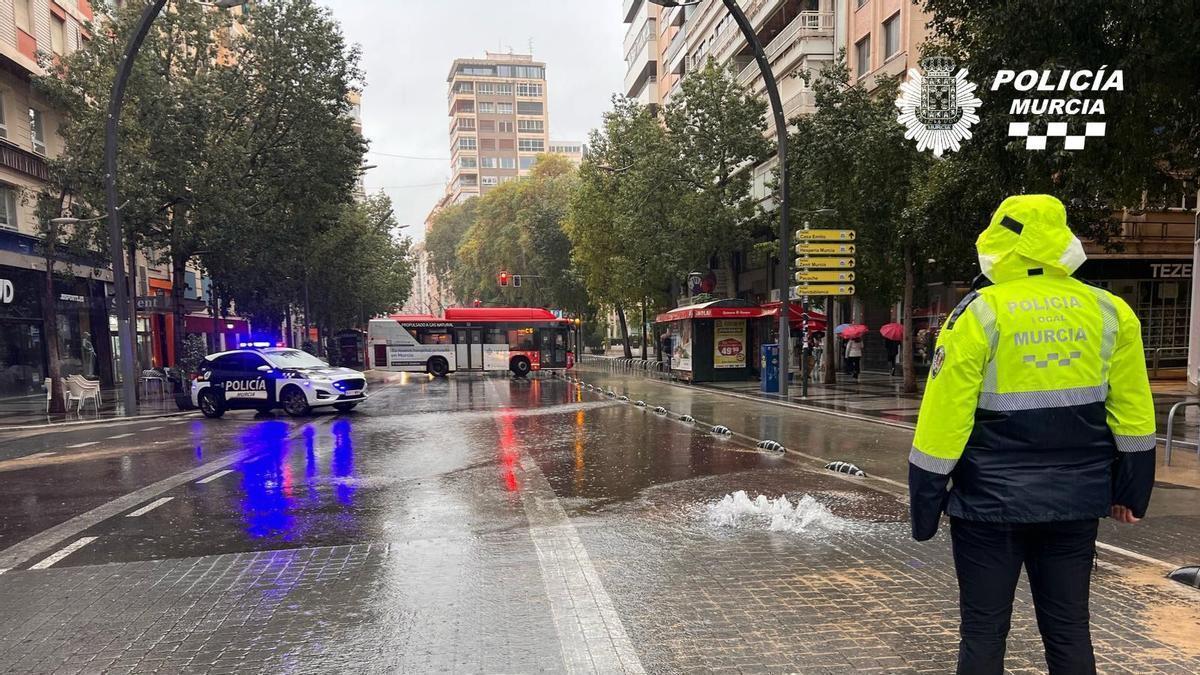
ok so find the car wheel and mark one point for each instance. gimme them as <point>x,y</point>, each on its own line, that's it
<point>520,366</point>
<point>210,405</point>
<point>344,407</point>
<point>295,403</point>
<point>438,367</point>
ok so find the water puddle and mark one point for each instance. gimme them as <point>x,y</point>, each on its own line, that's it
<point>808,515</point>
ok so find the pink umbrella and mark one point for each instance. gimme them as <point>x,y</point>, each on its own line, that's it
<point>892,331</point>
<point>854,331</point>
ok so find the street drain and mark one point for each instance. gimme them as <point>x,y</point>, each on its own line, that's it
<point>1188,576</point>
<point>845,467</point>
<point>721,430</point>
<point>773,446</point>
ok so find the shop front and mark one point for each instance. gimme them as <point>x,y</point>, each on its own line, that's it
<point>710,342</point>
<point>82,335</point>
<point>1157,289</point>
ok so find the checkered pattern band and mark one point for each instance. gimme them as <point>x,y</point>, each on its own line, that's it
<point>1035,141</point>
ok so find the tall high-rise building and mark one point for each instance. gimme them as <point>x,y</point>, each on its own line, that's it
<point>498,120</point>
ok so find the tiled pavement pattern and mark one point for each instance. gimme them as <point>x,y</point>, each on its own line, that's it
<point>337,609</point>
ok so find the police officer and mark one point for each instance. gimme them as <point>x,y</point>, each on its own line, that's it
<point>1037,415</point>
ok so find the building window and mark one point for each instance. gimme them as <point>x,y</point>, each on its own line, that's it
<point>37,131</point>
<point>531,145</point>
<point>891,36</point>
<point>487,144</point>
<point>529,108</point>
<point>58,35</point>
<point>859,3</point>
<point>504,88</point>
<point>464,88</point>
<point>8,207</point>
<point>467,162</point>
<point>862,54</point>
<point>531,125</point>
<point>522,72</point>
<point>466,143</point>
<point>508,162</point>
<point>23,13</point>
<point>504,108</point>
<point>529,89</point>
<point>486,108</point>
<point>486,88</point>
<point>526,162</point>
<point>487,125</point>
<point>466,123</point>
<point>487,162</point>
<point>3,119</point>
<point>507,144</point>
<point>489,180</point>
<point>465,107</point>
<point>505,127</point>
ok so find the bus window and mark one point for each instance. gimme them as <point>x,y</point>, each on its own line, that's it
<point>495,336</point>
<point>521,339</point>
<point>433,336</point>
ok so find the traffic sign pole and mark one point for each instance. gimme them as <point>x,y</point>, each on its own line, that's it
<point>818,273</point>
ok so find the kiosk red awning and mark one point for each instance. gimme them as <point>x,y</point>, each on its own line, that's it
<point>816,320</point>
<point>717,309</point>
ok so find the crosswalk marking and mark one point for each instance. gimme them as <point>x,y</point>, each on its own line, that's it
<point>62,553</point>
<point>149,507</point>
<point>213,477</point>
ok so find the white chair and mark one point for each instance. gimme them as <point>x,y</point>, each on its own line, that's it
<point>80,389</point>
<point>151,377</point>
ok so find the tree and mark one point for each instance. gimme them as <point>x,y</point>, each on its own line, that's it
<point>445,235</point>
<point>237,146</point>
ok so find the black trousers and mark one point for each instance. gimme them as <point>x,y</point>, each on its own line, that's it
<point>1058,559</point>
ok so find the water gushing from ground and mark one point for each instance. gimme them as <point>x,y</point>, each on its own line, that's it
<point>807,515</point>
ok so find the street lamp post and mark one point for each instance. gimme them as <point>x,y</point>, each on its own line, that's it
<point>785,233</point>
<point>116,101</point>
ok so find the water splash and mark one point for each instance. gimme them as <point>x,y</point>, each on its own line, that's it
<point>808,515</point>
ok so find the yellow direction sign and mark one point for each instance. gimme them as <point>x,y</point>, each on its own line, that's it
<point>824,275</point>
<point>825,263</point>
<point>825,235</point>
<point>822,248</point>
<point>824,289</point>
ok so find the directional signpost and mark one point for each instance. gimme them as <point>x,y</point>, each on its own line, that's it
<point>824,267</point>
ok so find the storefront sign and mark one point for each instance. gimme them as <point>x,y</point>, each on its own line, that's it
<point>70,297</point>
<point>729,343</point>
<point>6,291</point>
<point>1105,269</point>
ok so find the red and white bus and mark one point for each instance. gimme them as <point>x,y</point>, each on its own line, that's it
<point>519,339</point>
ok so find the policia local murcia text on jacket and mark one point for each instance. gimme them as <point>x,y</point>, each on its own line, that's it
<point>1036,421</point>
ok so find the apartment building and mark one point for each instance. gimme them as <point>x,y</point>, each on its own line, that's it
<point>499,120</point>
<point>572,150</point>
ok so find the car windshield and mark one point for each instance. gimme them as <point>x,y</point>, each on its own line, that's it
<point>294,358</point>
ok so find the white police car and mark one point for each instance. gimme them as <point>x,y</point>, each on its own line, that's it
<point>265,379</point>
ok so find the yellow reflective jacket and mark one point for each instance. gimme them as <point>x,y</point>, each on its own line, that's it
<point>1037,405</point>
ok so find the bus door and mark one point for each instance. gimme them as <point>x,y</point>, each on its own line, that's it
<point>552,343</point>
<point>468,346</point>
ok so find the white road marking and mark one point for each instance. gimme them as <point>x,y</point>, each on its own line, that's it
<point>113,438</point>
<point>62,553</point>
<point>3,570</point>
<point>83,445</point>
<point>213,477</point>
<point>151,429</point>
<point>1136,556</point>
<point>150,507</point>
<point>38,454</point>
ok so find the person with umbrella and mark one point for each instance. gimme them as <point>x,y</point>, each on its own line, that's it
<point>893,335</point>
<point>1037,421</point>
<point>853,334</point>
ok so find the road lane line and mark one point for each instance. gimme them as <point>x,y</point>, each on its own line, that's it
<point>113,438</point>
<point>151,429</point>
<point>27,549</point>
<point>38,454</point>
<point>213,477</point>
<point>149,507</point>
<point>62,553</point>
<point>83,445</point>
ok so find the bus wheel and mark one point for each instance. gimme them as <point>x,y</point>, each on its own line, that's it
<point>519,366</point>
<point>438,367</point>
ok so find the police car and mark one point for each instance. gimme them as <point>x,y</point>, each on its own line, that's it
<point>265,379</point>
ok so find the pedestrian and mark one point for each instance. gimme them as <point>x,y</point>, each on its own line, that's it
<point>893,352</point>
<point>1038,410</point>
<point>854,352</point>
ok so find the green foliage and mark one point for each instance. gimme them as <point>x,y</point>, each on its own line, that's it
<point>446,233</point>
<point>1153,134</point>
<point>195,348</point>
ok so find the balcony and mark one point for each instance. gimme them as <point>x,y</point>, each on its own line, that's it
<point>643,64</point>
<point>676,51</point>
<point>629,9</point>
<point>805,26</point>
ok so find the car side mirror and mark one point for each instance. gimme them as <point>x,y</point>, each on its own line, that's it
<point>264,369</point>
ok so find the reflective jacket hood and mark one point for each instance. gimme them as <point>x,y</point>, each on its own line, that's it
<point>1028,235</point>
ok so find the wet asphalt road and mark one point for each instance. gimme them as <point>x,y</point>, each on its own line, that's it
<point>487,525</point>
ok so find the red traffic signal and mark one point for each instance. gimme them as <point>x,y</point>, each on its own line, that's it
<point>503,278</point>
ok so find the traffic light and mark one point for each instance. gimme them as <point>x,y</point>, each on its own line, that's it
<point>516,281</point>
<point>503,278</point>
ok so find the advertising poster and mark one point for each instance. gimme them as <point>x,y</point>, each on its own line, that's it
<point>681,358</point>
<point>729,343</point>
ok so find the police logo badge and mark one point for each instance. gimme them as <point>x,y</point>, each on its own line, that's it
<point>937,108</point>
<point>939,357</point>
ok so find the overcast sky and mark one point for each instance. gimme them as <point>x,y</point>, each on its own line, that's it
<point>408,46</point>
